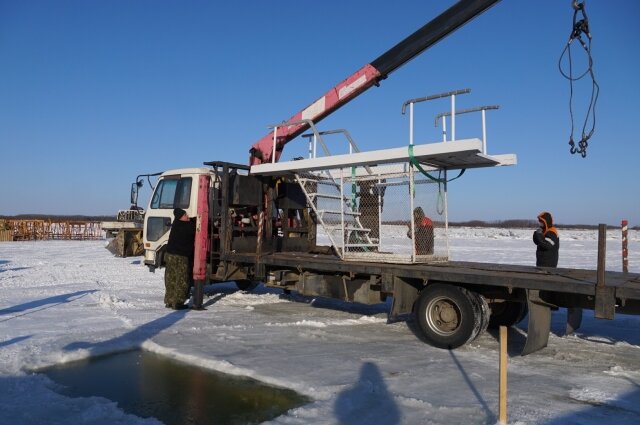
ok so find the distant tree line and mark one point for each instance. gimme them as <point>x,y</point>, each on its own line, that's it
<point>504,224</point>
<point>508,224</point>
<point>58,217</point>
<point>525,224</point>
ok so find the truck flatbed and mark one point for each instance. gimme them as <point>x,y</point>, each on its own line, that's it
<point>574,281</point>
<point>537,290</point>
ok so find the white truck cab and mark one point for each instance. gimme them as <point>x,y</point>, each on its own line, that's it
<point>175,189</point>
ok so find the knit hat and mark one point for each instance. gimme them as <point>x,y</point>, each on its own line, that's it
<point>178,213</point>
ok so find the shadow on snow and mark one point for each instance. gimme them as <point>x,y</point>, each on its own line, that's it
<point>132,339</point>
<point>14,340</point>
<point>44,303</point>
<point>368,401</point>
<point>2,269</point>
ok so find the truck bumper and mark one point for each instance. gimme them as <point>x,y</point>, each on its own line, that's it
<point>150,258</point>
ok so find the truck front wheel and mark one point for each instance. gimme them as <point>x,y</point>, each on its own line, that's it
<point>450,316</point>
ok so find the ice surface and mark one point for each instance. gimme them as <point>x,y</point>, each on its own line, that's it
<point>65,300</point>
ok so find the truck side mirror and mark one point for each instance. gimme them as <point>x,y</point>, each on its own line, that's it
<point>134,194</point>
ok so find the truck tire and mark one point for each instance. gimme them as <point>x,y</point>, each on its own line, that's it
<point>507,313</point>
<point>450,316</point>
<point>484,311</point>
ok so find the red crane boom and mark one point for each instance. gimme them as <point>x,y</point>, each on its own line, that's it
<point>369,75</point>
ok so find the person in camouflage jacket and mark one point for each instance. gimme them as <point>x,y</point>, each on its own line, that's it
<point>179,260</point>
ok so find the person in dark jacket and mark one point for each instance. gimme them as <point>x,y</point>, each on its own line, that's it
<point>369,207</point>
<point>179,260</point>
<point>547,241</point>
<point>424,232</point>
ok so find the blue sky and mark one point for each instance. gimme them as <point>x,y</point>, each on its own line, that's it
<point>93,93</point>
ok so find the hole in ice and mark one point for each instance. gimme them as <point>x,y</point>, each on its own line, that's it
<point>146,384</point>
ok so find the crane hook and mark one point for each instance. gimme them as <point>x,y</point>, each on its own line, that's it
<point>580,27</point>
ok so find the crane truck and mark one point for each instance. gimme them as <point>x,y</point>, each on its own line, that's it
<point>364,226</point>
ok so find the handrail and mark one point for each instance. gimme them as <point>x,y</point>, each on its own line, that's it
<point>482,109</point>
<point>433,97</point>
<point>451,94</point>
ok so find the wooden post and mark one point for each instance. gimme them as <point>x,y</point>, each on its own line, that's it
<point>502,415</point>
<point>605,301</point>
<point>602,253</point>
<point>625,251</point>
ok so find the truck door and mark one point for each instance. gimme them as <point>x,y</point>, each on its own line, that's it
<point>171,192</point>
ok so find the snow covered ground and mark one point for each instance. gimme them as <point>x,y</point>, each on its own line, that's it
<point>66,300</point>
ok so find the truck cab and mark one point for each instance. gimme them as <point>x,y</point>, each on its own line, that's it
<point>175,189</point>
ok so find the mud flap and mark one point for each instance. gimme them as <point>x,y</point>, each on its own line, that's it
<point>539,323</point>
<point>404,297</point>
<point>574,320</point>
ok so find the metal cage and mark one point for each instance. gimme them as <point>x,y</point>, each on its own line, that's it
<point>389,213</point>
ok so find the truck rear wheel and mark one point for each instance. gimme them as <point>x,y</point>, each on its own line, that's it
<point>450,316</point>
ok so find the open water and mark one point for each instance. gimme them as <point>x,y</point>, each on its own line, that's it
<point>149,385</point>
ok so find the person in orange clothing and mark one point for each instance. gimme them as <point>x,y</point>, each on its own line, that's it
<point>547,241</point>
<point>424,232</point>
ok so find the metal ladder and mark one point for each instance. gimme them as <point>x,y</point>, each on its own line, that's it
<point>342,224</point>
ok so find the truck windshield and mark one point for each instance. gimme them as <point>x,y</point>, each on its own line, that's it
<point>172,193</point>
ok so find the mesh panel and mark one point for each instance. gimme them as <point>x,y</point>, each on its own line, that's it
<point>385,213</point>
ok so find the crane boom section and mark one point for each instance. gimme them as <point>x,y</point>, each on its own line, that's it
<point>435,30</point>
<point>262,151</point>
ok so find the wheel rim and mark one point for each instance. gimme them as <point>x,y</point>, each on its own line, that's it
<point>443,316</point>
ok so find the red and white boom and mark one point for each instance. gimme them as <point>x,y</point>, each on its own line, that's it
<point>371,74</point>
